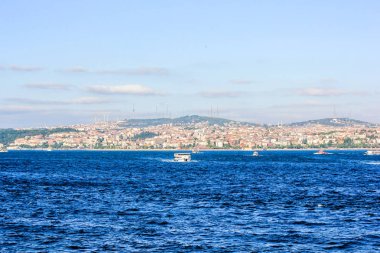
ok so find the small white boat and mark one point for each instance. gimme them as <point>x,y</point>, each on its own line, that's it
<point>321,152</point>
<point>372,152</point>
<point>3,149</point>
<point>195,150</point>
<point>255,153</point>
<point>182,157</point>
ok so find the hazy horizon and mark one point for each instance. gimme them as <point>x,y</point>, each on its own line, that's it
<point>71,62</point>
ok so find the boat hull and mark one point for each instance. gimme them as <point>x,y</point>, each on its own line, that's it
<point>182,157</point>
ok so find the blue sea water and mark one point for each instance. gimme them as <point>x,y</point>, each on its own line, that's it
<point>281,201</point>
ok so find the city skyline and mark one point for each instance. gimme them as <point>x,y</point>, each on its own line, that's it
<point>70,62</point>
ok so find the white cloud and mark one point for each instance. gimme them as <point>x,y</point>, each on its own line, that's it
<point>29,101</point>
<point>79,101</point>
<point>300,105</point>
<point>47,86</point>
<point>220,94</point>
<point>141,71</point>
<point>327,92</point>
<point>10,109</point>
<point>24,68</point>
<point>241,81</point>
<point>130,89</point>
<point>90,100</point>
<point>77,70</point>
<point>329,80</point>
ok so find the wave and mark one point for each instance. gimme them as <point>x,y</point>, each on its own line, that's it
<point>172,161</point>
<point>372,163</point>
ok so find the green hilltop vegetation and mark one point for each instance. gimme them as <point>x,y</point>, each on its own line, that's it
<point>192,119</point>
<point>144,135</point>
<point>8,136</point>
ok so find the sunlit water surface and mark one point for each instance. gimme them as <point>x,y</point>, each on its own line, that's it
<point>290,201</point>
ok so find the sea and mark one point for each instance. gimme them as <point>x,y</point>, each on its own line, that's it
<point>221,201</point>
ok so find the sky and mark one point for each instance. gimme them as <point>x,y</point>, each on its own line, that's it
<point>268,61</point>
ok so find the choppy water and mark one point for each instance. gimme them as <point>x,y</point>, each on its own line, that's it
<point>221,202</point>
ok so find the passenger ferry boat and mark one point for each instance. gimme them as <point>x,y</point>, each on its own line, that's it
<point>182,157</point>
<point>255,153</point>
<point>372,152</point>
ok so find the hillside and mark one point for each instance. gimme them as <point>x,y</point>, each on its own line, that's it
<point>193,119</point>
<point>337,122</point>
<point>10,135</point>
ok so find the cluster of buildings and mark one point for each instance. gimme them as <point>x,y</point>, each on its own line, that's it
<point>108,135</point>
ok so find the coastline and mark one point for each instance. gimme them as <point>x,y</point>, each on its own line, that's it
<point>189,150</point>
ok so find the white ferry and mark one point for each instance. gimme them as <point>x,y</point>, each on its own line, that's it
<point>182,157</point>
<point>372,152</point>
<point>255,153</point>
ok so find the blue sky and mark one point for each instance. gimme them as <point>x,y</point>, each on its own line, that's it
<point>64,62</point>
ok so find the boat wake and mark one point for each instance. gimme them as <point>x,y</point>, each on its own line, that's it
<point>172,161</point>
<point>372,163</point>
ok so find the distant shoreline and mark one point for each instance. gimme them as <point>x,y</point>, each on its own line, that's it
<point>201,150</point>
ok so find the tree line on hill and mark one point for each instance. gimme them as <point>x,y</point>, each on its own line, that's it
<point>8,136</point>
